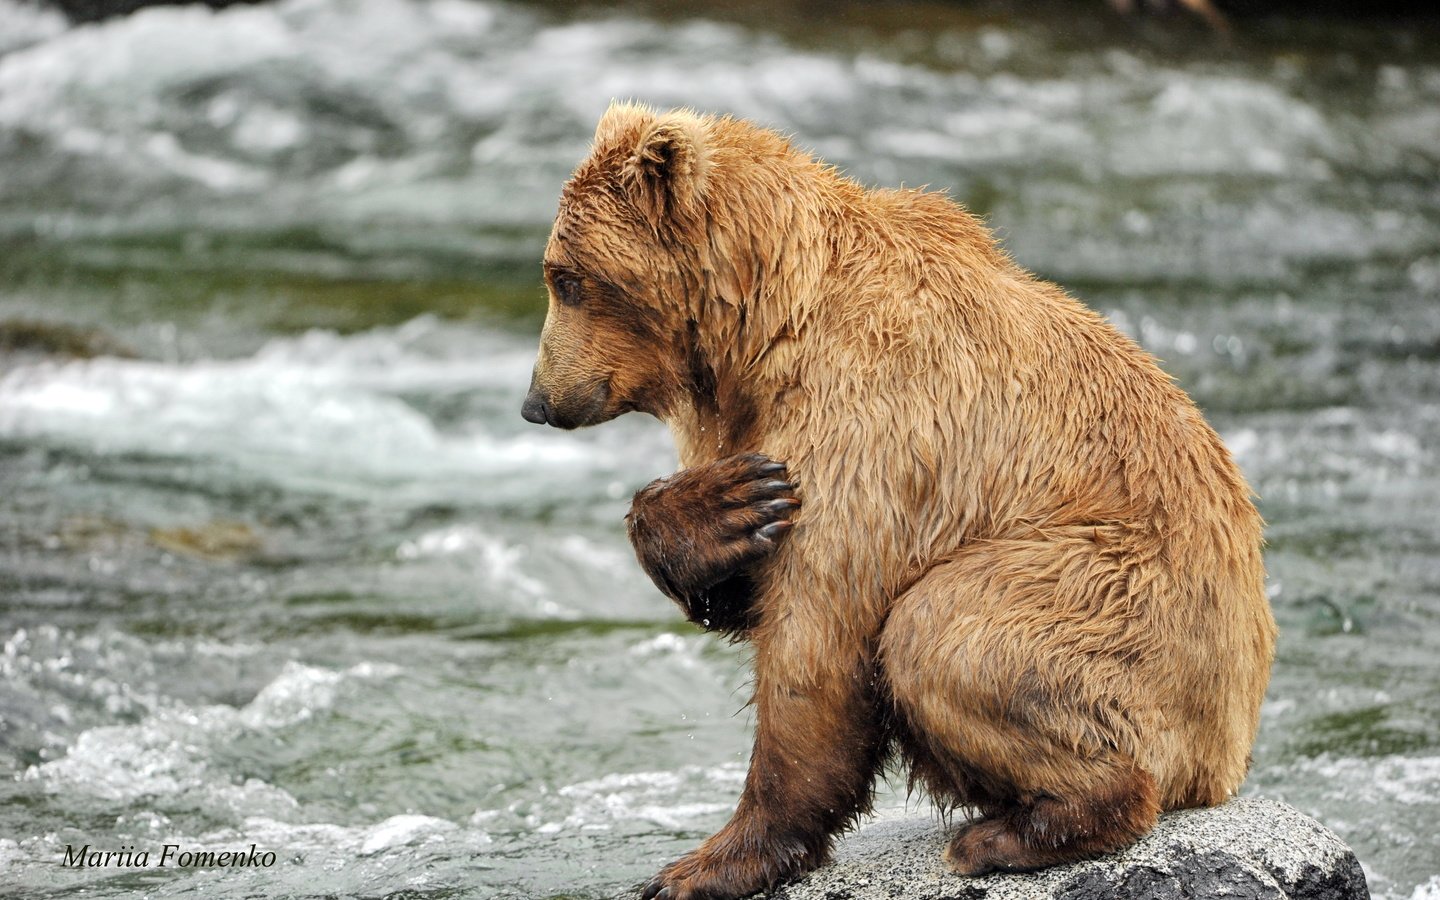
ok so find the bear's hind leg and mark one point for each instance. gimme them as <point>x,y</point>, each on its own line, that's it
<point>1015,694</point>
<point>1051,830</point>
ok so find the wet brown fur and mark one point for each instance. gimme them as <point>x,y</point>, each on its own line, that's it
<point>1023,555</point>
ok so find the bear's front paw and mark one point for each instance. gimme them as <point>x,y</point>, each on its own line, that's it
<point>704,875</point>
<point>703,525</point>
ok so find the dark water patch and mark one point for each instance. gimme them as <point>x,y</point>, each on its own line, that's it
<point>553,628</point>
<point>268,285</point>
<point>1321,541</point>
<point>1330,616</point>
<point>310,615</point>
<point>1360,732</point>
<point>27,336</point>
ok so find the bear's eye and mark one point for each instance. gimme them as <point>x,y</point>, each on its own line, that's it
<point>567,288</point>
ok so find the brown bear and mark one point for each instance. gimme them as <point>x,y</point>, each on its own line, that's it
<point>1023,560</point>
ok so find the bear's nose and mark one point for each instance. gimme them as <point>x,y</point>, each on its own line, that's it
<point>535,409</point>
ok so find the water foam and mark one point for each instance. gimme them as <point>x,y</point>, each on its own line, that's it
<point>470,112</point>
<point>498,559</point>
<point>318,411</point>
<point>682,651</point>
<point>23,24</point>
<point>1406,780</point>
<point>166,754</point>
<point>671,799</point>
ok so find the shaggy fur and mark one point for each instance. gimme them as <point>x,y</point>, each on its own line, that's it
<point>1023,557</point>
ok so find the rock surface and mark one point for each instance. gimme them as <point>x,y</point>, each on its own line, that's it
<point>1248,849</point>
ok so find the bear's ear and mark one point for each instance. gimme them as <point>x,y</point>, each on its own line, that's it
<point>666,172</point>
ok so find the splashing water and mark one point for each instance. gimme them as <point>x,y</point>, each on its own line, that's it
<point>283,566</point>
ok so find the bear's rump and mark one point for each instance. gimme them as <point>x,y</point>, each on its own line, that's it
<point>1026,661</point>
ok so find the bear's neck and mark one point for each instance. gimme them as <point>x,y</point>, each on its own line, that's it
<point>718,419</point>
<point>801,251</point>
<point>764,277</point>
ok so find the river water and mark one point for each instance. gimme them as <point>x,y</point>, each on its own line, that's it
<point>281,565</point>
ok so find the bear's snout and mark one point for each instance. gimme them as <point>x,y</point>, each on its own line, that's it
<point>568,408</point>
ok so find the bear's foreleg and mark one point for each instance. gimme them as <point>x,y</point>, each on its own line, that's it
<point>1013,672</point>
<point>698,532</point>
<point>820,740</point>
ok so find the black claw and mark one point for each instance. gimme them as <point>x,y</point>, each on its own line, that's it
<point>776,484</point>
<point>780,505</point>
<point>771,468</point>
<point>651,890</point>
<point>772,531</point>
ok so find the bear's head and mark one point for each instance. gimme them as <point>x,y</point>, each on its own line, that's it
<point>624,270</point>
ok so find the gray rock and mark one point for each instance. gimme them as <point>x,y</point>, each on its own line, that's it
<point>1247,849</point>
<point>1250,849</point>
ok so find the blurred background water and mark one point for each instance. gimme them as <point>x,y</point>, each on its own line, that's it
<point>281,564</point>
